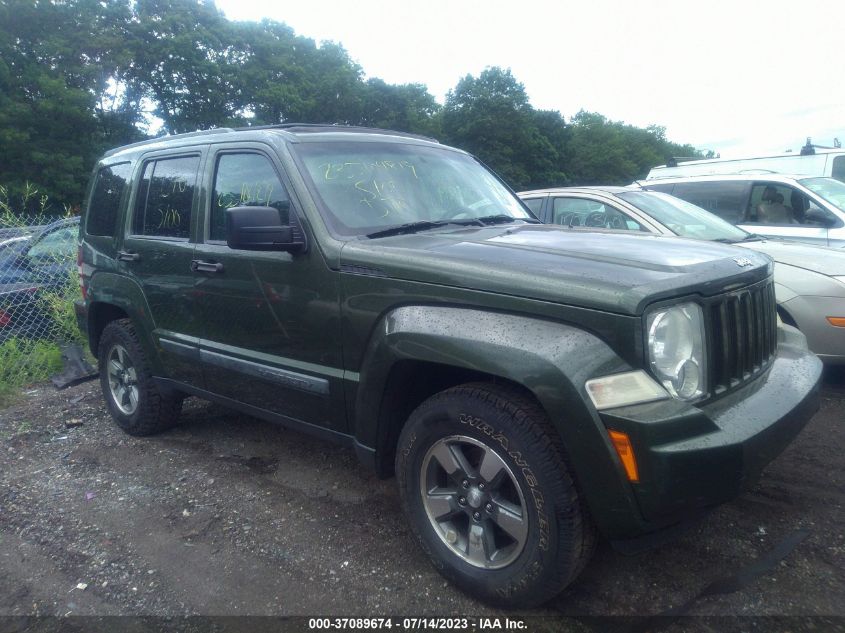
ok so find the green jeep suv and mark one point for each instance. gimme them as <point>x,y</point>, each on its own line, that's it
<point>529,386</point>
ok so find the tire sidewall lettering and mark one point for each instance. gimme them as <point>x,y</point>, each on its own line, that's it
<point>528,475</point>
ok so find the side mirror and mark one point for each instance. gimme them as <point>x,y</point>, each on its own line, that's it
<point>263,229</point>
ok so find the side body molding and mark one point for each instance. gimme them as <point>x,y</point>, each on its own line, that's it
<point>552,360</point>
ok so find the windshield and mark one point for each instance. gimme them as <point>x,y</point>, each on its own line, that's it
<point>369,186</point>
<point>683,218</point>
<point>828,188</point>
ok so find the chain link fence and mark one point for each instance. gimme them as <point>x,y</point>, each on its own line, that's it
<point>38,285</point>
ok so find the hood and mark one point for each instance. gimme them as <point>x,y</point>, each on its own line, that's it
<point>613,271</point>
<point>818,259</point>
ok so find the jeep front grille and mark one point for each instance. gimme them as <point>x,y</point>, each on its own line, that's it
<point>743,335</point>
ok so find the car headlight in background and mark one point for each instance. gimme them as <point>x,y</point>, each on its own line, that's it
<point>675,338</point>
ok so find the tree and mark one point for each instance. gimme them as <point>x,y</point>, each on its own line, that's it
<point>490,116</point>
<point>55,61</point>
<point>407,108</point>
<point>613,153</point>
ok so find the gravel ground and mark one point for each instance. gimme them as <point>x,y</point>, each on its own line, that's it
<point>228,515</point>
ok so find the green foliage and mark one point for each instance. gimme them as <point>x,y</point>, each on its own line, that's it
<point>80,76</point>
<point>490,116</point>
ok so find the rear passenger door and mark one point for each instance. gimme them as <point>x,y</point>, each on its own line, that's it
<point>271,318</point>
<point>157,250</point>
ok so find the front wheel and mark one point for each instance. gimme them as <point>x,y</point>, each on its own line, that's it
<point>483,479</point>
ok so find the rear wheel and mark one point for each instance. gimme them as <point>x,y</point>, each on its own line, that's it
<point>132,396</point>
<point>483,479</point>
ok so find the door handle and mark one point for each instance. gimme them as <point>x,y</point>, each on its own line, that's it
<point>126,256</point>
<point>206,267</point>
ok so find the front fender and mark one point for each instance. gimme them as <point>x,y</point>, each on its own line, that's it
<point>552,360</point>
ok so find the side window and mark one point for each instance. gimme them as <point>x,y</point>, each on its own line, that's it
<point>591,213</point>
<point>243,180</point>
<point>838,169</point>
<point>775,203</point>
<point>727,199</point>
<point>165,197</point>
<point>534,204</point>
<point>104,207</point>
<point>60,245</point>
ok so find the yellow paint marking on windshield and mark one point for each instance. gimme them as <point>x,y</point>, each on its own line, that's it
<point>356,170</point>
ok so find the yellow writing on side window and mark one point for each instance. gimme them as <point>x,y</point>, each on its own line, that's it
<point>169,218</point>
<point>251,194</point>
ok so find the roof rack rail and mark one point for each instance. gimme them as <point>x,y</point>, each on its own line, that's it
<point>328,127</point>
<point>150,141</point>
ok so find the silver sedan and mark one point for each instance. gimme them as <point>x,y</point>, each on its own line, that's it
<point>809,280</point>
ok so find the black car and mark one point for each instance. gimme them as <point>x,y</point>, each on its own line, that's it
<point>30,268</point>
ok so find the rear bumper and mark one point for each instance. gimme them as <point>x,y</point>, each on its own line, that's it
<point>692,458</point>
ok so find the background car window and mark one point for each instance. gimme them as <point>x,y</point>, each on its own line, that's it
<point>591,213</point>
<point>105,199</point>
<point>682,217</point>
<point>833,191</point>
<point>728,200</point>
<point>779,204</point>
<point>535,204</point>
<point>165,197</point>
<point>243,180</point>
<point>56,246</point>
<point>838,169</point>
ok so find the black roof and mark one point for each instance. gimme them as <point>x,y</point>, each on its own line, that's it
<point>291,128</point>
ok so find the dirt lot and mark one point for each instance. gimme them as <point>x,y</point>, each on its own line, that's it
<point>229,515</point>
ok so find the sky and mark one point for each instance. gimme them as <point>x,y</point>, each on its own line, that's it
<point>740,78</point>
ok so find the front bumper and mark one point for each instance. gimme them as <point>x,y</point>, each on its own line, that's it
<point>694,457</point>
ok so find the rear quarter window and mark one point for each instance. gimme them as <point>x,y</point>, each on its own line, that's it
<point>535,205</point>
<point>104,207</point>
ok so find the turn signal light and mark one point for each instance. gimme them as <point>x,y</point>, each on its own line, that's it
<point>622,444</point>
<point>836,321</point>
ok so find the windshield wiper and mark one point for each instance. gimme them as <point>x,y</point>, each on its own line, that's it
<point>410,227</point>
<point>424,225</point>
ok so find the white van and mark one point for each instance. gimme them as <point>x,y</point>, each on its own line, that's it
<point>823,162</point>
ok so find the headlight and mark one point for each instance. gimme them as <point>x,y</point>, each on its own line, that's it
<point>676,350</point>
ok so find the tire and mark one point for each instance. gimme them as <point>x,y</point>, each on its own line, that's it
<point>496,436</point>
<point>132,397</point>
